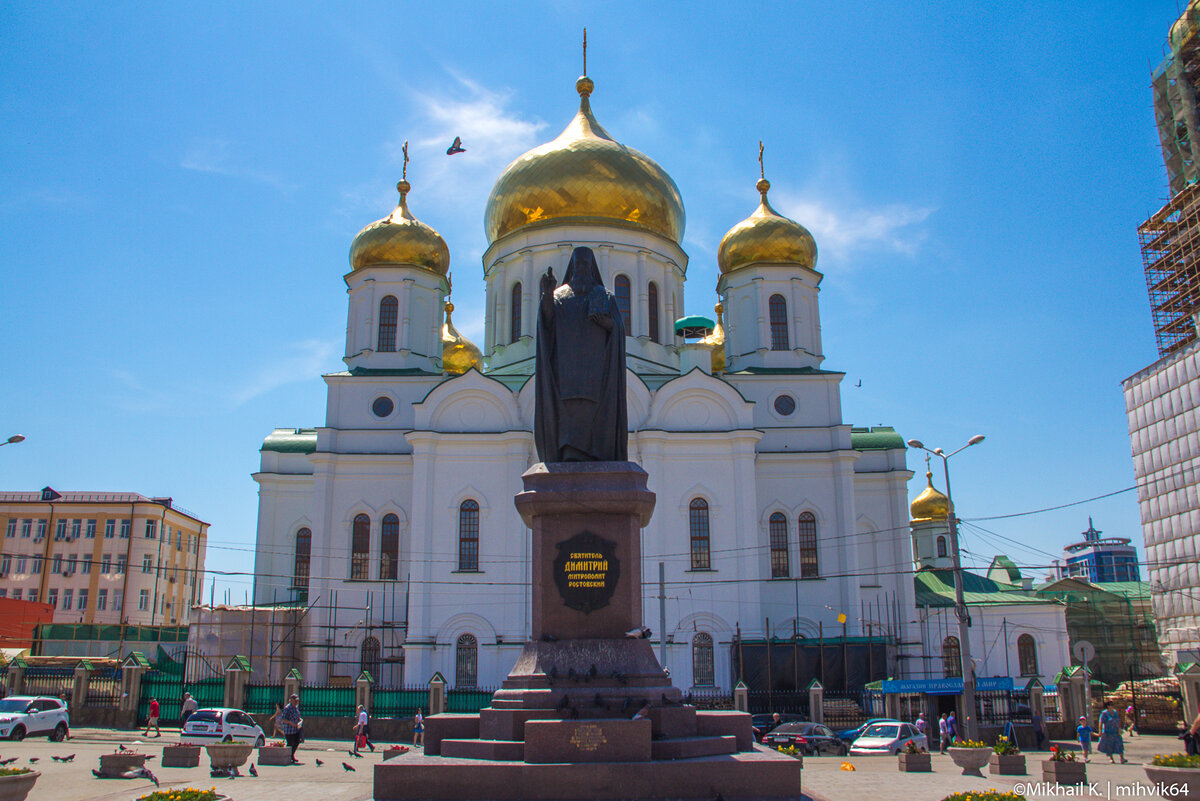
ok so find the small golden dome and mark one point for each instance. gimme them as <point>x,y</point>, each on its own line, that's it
<point>459,354</point>
<point>930,504</point>
<point>766,236</point>
<point>400,238</point>
<point>585,175</point>
<point>717,340</point>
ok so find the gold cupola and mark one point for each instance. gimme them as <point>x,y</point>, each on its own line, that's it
<point>717,340</point>
<point>400,239</point>
<point>459,354</point>
<point>585,176</point>
<point>930,504</point>
<point>766,236</point>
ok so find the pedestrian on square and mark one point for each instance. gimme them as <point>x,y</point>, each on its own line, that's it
<point>186,709</point>
<point>920,722</point>
<point>943,734</point>
<point>362,727</point>
<point>274,721</point>
<point>418,728</point>
<point>1110,734</point>
<point>1131,721</point>
<point>153,720</point>
<point>291,724</point>
<point>952,727</point>
<point>1084,732</point>
<point>1039,730</point>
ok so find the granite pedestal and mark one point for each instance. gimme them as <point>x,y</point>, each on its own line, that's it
<point>562,725</point>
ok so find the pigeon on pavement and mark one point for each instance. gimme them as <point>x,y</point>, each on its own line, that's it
<point>348,767</point>
<point>253,772</point>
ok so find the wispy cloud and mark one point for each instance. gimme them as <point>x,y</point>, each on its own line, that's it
<point>215,156</point>
<point>304,361</point>
<point>843,230</point>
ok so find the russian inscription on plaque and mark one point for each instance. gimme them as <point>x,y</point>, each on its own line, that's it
<point>586,572</point>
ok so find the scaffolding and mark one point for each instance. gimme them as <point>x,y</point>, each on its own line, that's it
<point>1175,106</point>
<point>1170,242</point>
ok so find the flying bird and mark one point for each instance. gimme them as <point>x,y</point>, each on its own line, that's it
<point>859,384</point>
<point>142,773</point>
<point>319,763</point>
<point>253,772</point>
<point>456,147</point>
<point>349,767</point>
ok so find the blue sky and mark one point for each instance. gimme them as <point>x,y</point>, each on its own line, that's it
<point>180,184</point>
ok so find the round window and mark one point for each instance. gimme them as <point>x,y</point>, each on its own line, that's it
<point>785,405</point>
<point>383,406</point>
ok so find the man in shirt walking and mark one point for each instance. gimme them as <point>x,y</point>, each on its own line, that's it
<point>153,721</point>
<point>290,723</point>
<point>943,734</point>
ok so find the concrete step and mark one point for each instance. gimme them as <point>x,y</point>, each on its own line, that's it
<point>502,750</point>
<point>692,747</point>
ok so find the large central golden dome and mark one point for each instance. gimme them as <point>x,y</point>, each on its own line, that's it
<point>585,175</point>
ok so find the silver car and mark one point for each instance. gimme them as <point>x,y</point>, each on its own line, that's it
<point>887,738</point>
<point>221,725</point>
<point>22,715</point>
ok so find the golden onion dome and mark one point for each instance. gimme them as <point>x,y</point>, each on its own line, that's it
<point>717,340</point>
<point>400,238</point>
<point>585,175</point>
<point>930,504</point>
<point>459,354</point>
<point>766,236</point>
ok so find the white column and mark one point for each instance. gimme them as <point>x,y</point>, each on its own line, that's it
<point>641,296</point>
<point>530,284</point>
<point>764,322</point>
<point>405,306</point>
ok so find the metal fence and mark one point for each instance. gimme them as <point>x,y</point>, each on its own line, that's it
<point>469,700</point>
<point>55,681</point>
<point>1052,707</point>
<point>714,699</point>
<point>998,707</point>
<point>850,708</point>
<point>793,702</point>
<point>261,699</point>
<point>1159,712</point>
<point>398,702</point>
<point>327,700</point>
<point>104,688</point>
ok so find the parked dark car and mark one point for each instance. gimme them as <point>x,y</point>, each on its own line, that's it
<point>808,738</point>
<point>850,735</point>
<point>764,722</point>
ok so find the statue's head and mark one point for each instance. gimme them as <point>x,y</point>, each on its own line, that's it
<point>582,271</point>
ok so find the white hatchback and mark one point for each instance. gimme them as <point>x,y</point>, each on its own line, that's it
<point>221,725</point>
<point>887,738</point>
<point>22,715</point>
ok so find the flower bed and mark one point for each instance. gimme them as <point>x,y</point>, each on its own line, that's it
<point>118,764</point>
<point>228,755</point>
<point>985,795</point>
<point>971,758</point>
<point>394,751</point>
<point>274,755</point>
<point>180,756</point>
<point>189,794</point>
<point>15,783</point>
<point>1180,770</point>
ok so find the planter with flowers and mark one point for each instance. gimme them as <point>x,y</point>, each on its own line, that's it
<point>393,751</point>
<point>1006,758</point>
<point>1180,770</point>
<point>188,794</point>
<point>180,756</point>
<point>914,760</point>
<point>275,752</point>
<point>228,755</point>
<point>15,783</point>
<point>1063,768</point>
<point>971,756</point>
<point>985,795</point>
<point>118,763</point>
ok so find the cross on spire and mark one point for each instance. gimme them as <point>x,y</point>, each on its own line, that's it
<point>585,51</point>
<point>762,173</point>
<point>404,169</point>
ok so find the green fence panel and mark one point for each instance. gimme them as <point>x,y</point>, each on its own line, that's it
<point>398,702</point>
<point>327,701</point>
<point>167,689</point>
<point>262,698</point>
<point>469,700</point>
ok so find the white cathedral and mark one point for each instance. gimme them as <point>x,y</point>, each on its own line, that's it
<point>395,519</point>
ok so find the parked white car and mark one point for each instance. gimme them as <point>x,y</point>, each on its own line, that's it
<point>22,715</point>
<point>221,725</point>
<point>887,738</point>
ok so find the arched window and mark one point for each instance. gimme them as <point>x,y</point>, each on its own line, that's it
<point>360,547</point>
<point>369,657</point>
<point>941,546</point>
<point>466,661</point>
<point>806,541</point>
<point>703,674</point>
<point>951,658</point>
<point>698,525</point>
<point>468,535</point>
<point>652,310</point>
<point>303,553</point>
<point>779,546</point>
<point>621,290</point>
<point>514,327</point>
<point>1027,655</point>
<point>387,324</point>
<point>389,548</point>
<point>779,327</point>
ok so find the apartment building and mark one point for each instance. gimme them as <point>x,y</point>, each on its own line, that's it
<point>102,557</point>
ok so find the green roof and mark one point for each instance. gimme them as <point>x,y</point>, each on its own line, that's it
<point>694,321</point>
<point>936,588</point>
<point>878,438</point>
<point>369,371</point>
<point>1004,570</point>
<point>291,440</point>
<point>785,371</point>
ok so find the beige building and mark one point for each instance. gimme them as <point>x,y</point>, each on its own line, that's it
<point>102,557</point>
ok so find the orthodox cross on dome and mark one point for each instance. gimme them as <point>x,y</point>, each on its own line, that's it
<point>761,170</point>
<point>927,470</point>
<point>585,51</point>
<point>404,169</point>
<point>763,184</point>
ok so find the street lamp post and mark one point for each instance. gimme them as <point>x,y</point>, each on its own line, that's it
<point>970,728</point>
<point>13,440</point>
